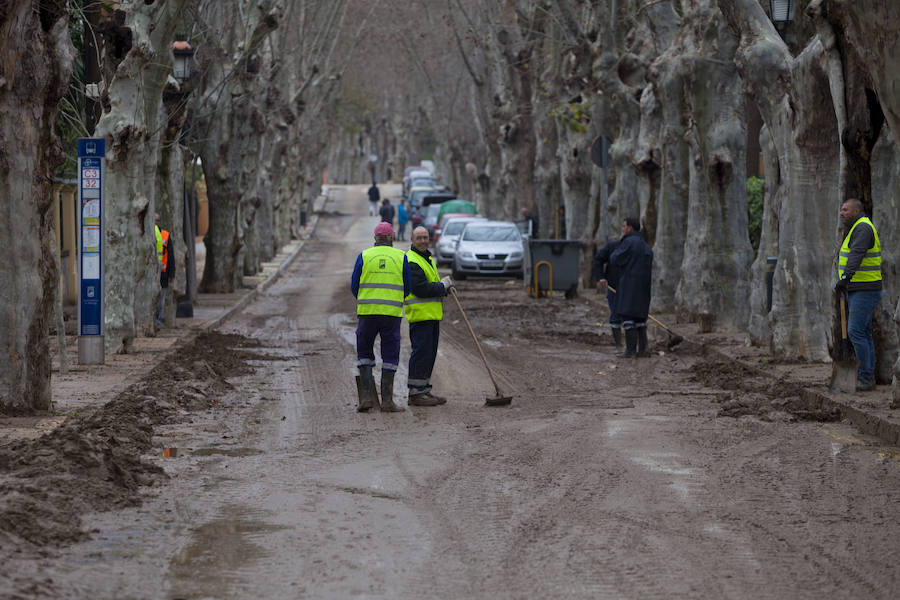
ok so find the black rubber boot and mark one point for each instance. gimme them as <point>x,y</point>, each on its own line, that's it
<point>387,392</point>
<point>365,388</point>
<point>642,350</point>
<point>631,342</point>
<point>617,336</point>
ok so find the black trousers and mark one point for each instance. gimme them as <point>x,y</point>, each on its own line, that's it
<point>423,337</point>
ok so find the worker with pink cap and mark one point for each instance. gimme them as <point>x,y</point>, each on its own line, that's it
<point>380,282</point>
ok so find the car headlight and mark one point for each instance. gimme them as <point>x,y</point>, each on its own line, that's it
<point>515,255</point>
<point>465,254</point>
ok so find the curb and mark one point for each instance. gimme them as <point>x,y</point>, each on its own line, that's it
<point>318,207</point>
<point>814,400</point>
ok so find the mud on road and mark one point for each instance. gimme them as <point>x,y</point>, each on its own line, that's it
<point>669,477</point>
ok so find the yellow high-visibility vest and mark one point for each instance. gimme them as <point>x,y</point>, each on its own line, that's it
<point>162,247</point>
<point>381,282</point>
<point>870,267</point>
<point>423,309</point>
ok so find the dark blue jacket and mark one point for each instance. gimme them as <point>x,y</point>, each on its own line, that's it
<point>603,268</point>
<point>634,259</point>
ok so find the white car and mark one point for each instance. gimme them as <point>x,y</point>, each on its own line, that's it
<point>488,248</point>
<point>445,248</point>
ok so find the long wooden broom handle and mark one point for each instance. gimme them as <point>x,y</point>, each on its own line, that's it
<point>843,317</point>
<point>477,344</point>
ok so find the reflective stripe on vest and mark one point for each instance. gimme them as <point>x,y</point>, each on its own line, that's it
<point>423,309</point>
<point>381,282</point>
<point>870,267</point>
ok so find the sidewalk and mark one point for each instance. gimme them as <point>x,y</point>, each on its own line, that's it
<point>87,386</point>
<point>870,412</point>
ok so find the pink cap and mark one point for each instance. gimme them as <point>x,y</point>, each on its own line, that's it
<point>384,229</point>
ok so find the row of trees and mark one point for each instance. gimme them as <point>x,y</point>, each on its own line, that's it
<point>675,84</point>
<point>507,97</point>
<point>266,74</point>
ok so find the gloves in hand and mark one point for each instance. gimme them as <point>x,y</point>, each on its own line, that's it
<point>448,283</point>
<point>841,286</point>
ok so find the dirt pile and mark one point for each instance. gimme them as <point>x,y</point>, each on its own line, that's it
<point>92,462</point>
<point>752,393</point>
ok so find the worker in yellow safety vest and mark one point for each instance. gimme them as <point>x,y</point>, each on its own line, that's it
<point>424,311</point>
<point>380,282</point>
<point>859,277</point>
<point>166,269</point>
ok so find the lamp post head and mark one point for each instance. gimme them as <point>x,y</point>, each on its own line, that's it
<point>781,11</point>
<point>183,53</point>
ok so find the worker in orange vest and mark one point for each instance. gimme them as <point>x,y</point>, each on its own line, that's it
<point>167,268</point>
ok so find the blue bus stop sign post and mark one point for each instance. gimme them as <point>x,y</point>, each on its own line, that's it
<point>91,154</point>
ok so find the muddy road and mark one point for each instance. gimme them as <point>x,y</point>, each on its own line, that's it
<point>666,477</point>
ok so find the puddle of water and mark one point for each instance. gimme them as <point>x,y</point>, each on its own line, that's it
<point>221,553</point>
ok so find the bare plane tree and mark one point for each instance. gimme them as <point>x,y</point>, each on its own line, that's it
<point>31,86</point>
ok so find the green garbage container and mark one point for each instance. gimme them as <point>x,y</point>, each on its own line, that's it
<point>565,258</point>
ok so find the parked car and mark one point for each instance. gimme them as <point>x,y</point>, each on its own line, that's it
<point>429,165</point>
<point>489,248</point>
<point>443,217</point>
<point>429,218</point>
<point>422,181</point>
<point>417,193</point>
<point>457,205</point>
<point>414,173</point>
<point>431,208</point>
<point>445,243</point>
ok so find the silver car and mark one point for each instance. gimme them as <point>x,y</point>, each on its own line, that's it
<point>445,248</point>
<point>488,248</point>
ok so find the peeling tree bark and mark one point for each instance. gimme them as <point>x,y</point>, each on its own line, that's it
<point>229,128</point>
<point>668,74</point>
<point>718,254</point>
<point>38,58</point>
<point>792,94</point>
<point>133,123</point>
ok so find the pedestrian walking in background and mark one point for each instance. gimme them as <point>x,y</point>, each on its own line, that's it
<point>859,277</point>
<point>634,260</point>
<point>166,266</point>
<point>374,197</point>
<point>380,282</point>
<point>387,211</point>
<point>402,220</point>
<point>424,311</point>
<point>607,274</point>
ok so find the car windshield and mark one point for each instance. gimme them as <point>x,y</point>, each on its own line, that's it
<point>455,228</point>
<point>486,233</point>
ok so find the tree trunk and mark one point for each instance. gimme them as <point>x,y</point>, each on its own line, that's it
<point>717,248</point>
<point>132,123</point>
<point>789,92</point>
<point>31,86</point>
<point>230,128</point>
<point>667,74</point>
<point>760,323</point>
<point>170,186</point>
